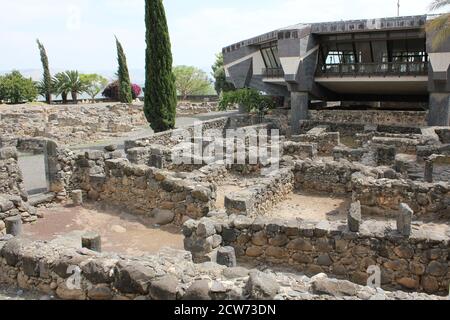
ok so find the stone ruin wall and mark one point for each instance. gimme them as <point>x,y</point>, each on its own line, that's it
<point>376,117</point>
<point>170,275</point>
<point>114,181</point>
<point>70,124</point>
<point>13,196</point>
<point>385,195</point>
<point>419,263</point>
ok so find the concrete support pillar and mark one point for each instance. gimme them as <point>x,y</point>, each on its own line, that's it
<point>439,114</point>
<point>299,109</point>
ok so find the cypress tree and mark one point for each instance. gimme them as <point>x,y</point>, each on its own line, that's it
<point>47,76</point>
<point>160,91</point>
<point>125,95</point>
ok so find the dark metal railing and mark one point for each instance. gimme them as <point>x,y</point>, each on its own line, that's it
<point>373,69</point>
<point>273,72</point>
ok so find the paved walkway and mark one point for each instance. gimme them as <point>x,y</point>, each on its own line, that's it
<point>33,167</point>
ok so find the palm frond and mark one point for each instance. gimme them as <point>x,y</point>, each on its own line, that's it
<point>438,4</point>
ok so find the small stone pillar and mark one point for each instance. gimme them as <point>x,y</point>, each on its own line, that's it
<point>354,217</point>
<point>226,256</point>
<point>92,241</point>
<point>77,197</point>
<point>14,225</point>
<point>404,220</point>
<point>385,155</point>
<point>429,168</point>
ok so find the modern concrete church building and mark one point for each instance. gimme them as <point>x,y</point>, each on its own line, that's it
<point>389,59</point>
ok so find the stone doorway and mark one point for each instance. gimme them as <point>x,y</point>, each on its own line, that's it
<point>32,162</point>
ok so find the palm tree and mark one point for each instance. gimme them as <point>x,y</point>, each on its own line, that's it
<point>60,86</point>
<point>440,25</point>
<point>73,84</point>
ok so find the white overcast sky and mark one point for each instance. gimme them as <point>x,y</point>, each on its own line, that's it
<point>79,34</point>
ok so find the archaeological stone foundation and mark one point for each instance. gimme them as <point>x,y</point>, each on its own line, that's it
<point>390,173</point>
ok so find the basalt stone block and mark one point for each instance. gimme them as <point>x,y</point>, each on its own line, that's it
<point>92,241</point>
<point>206,229</point>
<point>404,220</point>
<point>77,197</point>
<point>385,155</point>
<point>164,288</point>
<point>98,271</point>
<point>163,217</point>
<point>14,225</point>
<point>157,161</point>
<point>111,147</point>
<point>226,256</point>
<point>30,264</point>
<point>8,153</point>
<point>5,204</point>
<point>239,203</point>
<point>261,286</point>
<point>429,168</point>
<point>133,278</point>
<point>11,251</point>
<point>354,218</point>
<point>94,154</point>
<point>229,234</point>
<point>198,290</point>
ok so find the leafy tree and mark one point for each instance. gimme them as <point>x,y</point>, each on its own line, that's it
<point>440,25</point>
<point>220,84</point>
<point>160,92</point>
<point>72,83</point>
<point>94,84</point>
<point>251,99</point>
<point>46,84</point>
<point>125,94</point>
<point>191,81</point>
<point>15,88</point>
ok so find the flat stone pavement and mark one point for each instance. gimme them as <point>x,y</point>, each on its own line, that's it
<point>33,167</point>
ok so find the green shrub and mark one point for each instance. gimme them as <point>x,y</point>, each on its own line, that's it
<point>251,99</point>
<point>15,88</point>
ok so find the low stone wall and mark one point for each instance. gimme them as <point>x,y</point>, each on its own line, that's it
<point>259,198</point>
<point>353,155</point>
<point>385,195</point>
<point>80,274</point>
<point>444,135</point>
<point>60,164</point>
<point>300,150</point>
<point>13,196</point>
<point>325,176</point>
<point>383,117</point>
<point>141,189</point>
<point>70,125</point>
<point>172,137</point>
<point>418,263</point>
<point>325,142</point>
